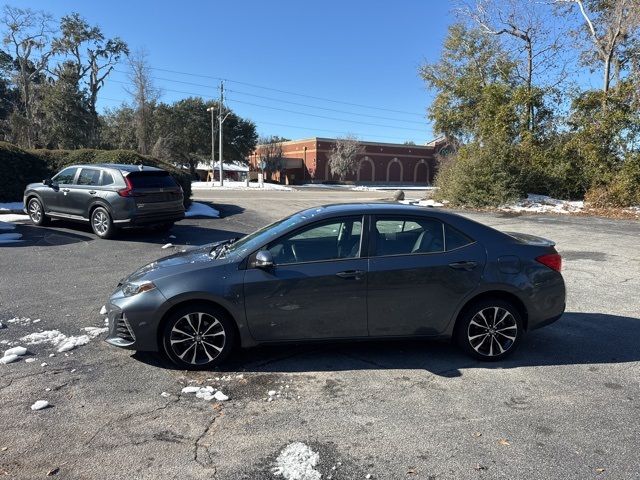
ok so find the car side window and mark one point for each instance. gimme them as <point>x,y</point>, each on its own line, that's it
<point>107,179</point>
<point>89,176</point>
<point>66,176</point>
<point>403,236</point>
<point>455,238</point>
<point>331,240</point>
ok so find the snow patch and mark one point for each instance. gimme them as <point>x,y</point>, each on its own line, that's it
<point>231,185</point>
<point>11,207</point>
<point>297,461</point>
<point>206,393</point>
<point>8,359</point>
<point>39,405</point>
<point>544,204</point>
<point>14,217</point>
<point>103,310</point>
<point>62,341</point>
<point>21,320</point>
<point>16,351</point>
<point>166,245</point>
<point>422,203</point>
<point>10,238</point>
<point>201,210</point>
<point>7,226</point>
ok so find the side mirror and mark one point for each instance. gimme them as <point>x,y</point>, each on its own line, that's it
<point>47,182</point>
<point>264,259</point>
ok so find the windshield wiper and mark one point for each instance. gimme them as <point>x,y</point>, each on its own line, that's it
<point>220,249</point>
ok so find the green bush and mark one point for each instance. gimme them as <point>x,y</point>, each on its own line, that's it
<point>58,159</point>
<point>18,168</point>
<point>623,190</point>
<point>475,177</point>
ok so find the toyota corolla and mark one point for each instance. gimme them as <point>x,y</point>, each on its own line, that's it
<point>338,272</point>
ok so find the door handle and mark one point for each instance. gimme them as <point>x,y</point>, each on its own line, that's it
<point>350,274</point>
<point>465,265</point>
<point>92,192</point>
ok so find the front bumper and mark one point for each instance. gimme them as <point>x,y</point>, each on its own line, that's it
<point>134,321</point>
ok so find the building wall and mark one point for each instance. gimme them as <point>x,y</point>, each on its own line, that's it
<point>380,163</point>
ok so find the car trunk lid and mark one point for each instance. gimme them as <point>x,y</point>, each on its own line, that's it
<point>154,190</point>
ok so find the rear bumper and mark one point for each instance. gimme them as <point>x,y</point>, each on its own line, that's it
<point>150,219</point>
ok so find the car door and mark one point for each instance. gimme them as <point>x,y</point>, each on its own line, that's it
<point>316,287</point>
<point>416,278</point>
<point>81,193</point>
<point>54,197</point>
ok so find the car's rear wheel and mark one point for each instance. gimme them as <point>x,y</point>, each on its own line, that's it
<point>490,329</point>
<point>102,224</point>
<point>36,212</point>
<point>198,336</point>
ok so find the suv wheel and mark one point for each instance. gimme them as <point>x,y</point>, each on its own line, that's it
<point>198,337</point>
<point>490,329</point>
<point>101,223</point>
<point>36,212</point>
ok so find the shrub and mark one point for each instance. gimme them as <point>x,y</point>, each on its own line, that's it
<point>623,190</point>
<point>476,177</point>
<point>18,168</point>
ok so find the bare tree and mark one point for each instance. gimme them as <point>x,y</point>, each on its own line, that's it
<point>530,34</point>
<point>343,159</point>
<point>145,95</point>
<point>271,154</point>
<point>610,25</point>
<point>27,35</point>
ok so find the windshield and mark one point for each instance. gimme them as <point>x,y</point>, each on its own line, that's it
<point>257,239</point>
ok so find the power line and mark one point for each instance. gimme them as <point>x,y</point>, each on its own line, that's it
<point>289,111</point>
<point>286,101</point>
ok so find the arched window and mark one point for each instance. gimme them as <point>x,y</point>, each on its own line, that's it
<point>421,172</point>
<point>395,171</point>
<point>366,170</point>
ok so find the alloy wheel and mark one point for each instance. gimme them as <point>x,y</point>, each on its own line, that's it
<point>35,211</point>
<point>492,331</point>
<point>197,338</point>
<point>100,222</point>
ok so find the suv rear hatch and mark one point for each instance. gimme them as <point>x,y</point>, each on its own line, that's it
<point>154,191</point>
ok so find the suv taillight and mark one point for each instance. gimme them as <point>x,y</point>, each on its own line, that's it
<point>126,192</point>
<point>551,260</point>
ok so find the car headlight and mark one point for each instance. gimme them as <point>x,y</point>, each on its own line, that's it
<point>130,289</point>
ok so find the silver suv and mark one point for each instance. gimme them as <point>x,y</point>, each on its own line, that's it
<point>109,196</point>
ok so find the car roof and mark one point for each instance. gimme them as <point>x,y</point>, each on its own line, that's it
<point>382,207</point>
<point>124,168</point>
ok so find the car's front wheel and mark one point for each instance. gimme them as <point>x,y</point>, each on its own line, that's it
<point>36,212</point>
<point>101,223</point>
<point>490,329</point>
<point>198,336</point>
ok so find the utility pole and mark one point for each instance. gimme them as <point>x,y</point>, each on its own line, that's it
<point>213,142</point>
<point>220,122</point>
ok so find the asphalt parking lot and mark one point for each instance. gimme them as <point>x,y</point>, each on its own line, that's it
<point>565,405</point>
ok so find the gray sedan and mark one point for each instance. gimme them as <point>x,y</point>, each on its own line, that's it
<point>350,271</point>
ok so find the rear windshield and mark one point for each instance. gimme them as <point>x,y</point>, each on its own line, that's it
<point>151,180</point>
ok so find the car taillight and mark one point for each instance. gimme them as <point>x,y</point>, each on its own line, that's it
<point>551,260</point>
<point>126,192</point>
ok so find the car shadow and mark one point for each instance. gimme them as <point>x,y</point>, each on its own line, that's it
<point>225,209</point>
<point>576,339</point>
<point>46,236</point>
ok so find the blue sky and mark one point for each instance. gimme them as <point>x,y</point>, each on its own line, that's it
<point>359,52</point>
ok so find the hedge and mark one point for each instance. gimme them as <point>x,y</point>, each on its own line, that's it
<point>19,167</point>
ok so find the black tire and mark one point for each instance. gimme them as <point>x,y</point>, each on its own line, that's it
<point>490,329</point>
<point>102,223</point>
<point>212,331</point>
<point>36,212</point>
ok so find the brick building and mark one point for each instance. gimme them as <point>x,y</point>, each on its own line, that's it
<point>308,161</point>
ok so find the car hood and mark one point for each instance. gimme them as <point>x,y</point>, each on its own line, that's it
<point>176,263</point>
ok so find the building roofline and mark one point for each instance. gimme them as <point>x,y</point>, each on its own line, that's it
<point>362,142</point>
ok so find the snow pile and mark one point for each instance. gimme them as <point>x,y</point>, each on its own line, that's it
<point>297,462</point>
<point>201,210</point>
<point>63,342</point>
<point>10,238</point>
<point>13,217</point>
<point>39,405</point>
<point>206,393</point>
<point>544,204</point>
<point>166,245</point>
<point>22,320</point>
<point>11,207</point>
<point>375,188</point>
<point>231,185</point>
<point>12,354</point>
